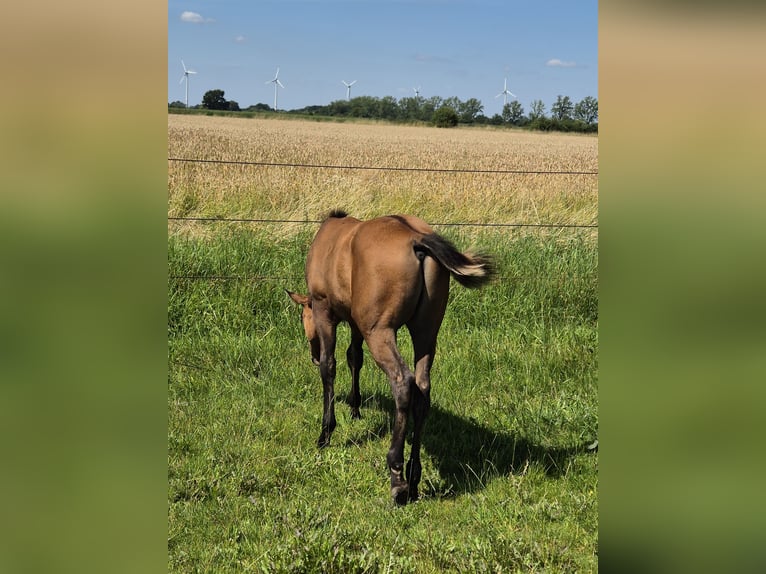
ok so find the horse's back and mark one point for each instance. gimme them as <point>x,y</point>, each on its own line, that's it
<point>328,265</point>
<point>383,241</point>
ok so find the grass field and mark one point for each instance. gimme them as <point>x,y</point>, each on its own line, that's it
<point>507,483</point>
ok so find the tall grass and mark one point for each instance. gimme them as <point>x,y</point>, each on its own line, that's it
<point>300,193</point>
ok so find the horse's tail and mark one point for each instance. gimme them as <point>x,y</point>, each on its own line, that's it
<point>470,270</point>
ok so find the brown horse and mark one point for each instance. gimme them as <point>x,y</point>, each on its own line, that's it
<point>378,275</point>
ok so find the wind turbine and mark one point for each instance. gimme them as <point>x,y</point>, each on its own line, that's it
<point>505,93</point>
<point>277,84</point>
<point>348,88</point>
<point>186,77</point>
<point>417,91</point>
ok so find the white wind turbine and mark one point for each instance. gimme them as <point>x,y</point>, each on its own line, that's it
<point>505,93</point>
<point>277,84</point>
<point>186,77</point>
<point>417,91</point>
<point>348,88</point>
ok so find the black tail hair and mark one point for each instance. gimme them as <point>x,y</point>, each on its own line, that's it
<point>470,270</point>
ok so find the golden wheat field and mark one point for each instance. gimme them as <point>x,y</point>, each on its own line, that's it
<point>300,193</point>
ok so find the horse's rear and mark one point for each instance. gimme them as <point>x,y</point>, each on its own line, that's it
<point>379,275</point>
<point>393,282</point>
<point>373,273</point>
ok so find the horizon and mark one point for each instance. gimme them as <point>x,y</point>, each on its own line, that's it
<point>282,109</point>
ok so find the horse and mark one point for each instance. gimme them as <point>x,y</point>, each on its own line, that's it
<point>377,276</point>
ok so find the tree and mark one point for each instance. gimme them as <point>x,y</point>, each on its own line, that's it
<point>214,100</point>
<point>387,108</point>
<point>445,117</point>
<point>363,107</point>
<point>232,106</point>
<point>429,107</point>
<point>339,108</point>
<point>537,110</point>
<point>176,104</point>
<point>587,110</point>
<point>562,109</point>
<point>469,110</point>
<point>542,123</point>
<point>260,107</point>
<point>513,113</point>
<point>452,102</point>
<point>409,108</point>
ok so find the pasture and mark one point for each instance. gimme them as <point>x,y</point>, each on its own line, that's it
<point>507,482</point>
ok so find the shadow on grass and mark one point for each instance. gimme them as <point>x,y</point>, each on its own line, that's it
<point>468,455</point>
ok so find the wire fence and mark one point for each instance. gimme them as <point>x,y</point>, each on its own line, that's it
<point>435,224</point>
<point>381,168</point>
<point>277,221</point>
<point>219,219</point>
<point>288,279</point>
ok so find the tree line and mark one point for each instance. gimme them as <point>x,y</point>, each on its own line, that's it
<point>564,114</point>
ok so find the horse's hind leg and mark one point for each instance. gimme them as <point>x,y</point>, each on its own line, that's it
<point>382,344</point>
<point>355,358</point>
<point>424,328</point>
<point>425,348</point>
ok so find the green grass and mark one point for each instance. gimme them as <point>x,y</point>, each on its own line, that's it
<point>507,485</point>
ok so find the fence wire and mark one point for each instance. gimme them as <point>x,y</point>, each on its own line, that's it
<point>380,168</point>
<point>259,278</point>
<point>435,224</point>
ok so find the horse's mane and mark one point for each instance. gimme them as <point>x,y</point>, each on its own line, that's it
<point>337,213</point>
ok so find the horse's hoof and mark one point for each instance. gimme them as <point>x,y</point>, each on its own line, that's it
<point>355,414</point>
<point>400,494</point>
<point>323,442</point>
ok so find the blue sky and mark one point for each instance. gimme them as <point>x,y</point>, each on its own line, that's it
<point>446,48</point>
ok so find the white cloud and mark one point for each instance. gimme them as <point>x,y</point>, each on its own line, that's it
<point>556,63</point>
<point>194,18</point>
<point>240,39</point>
